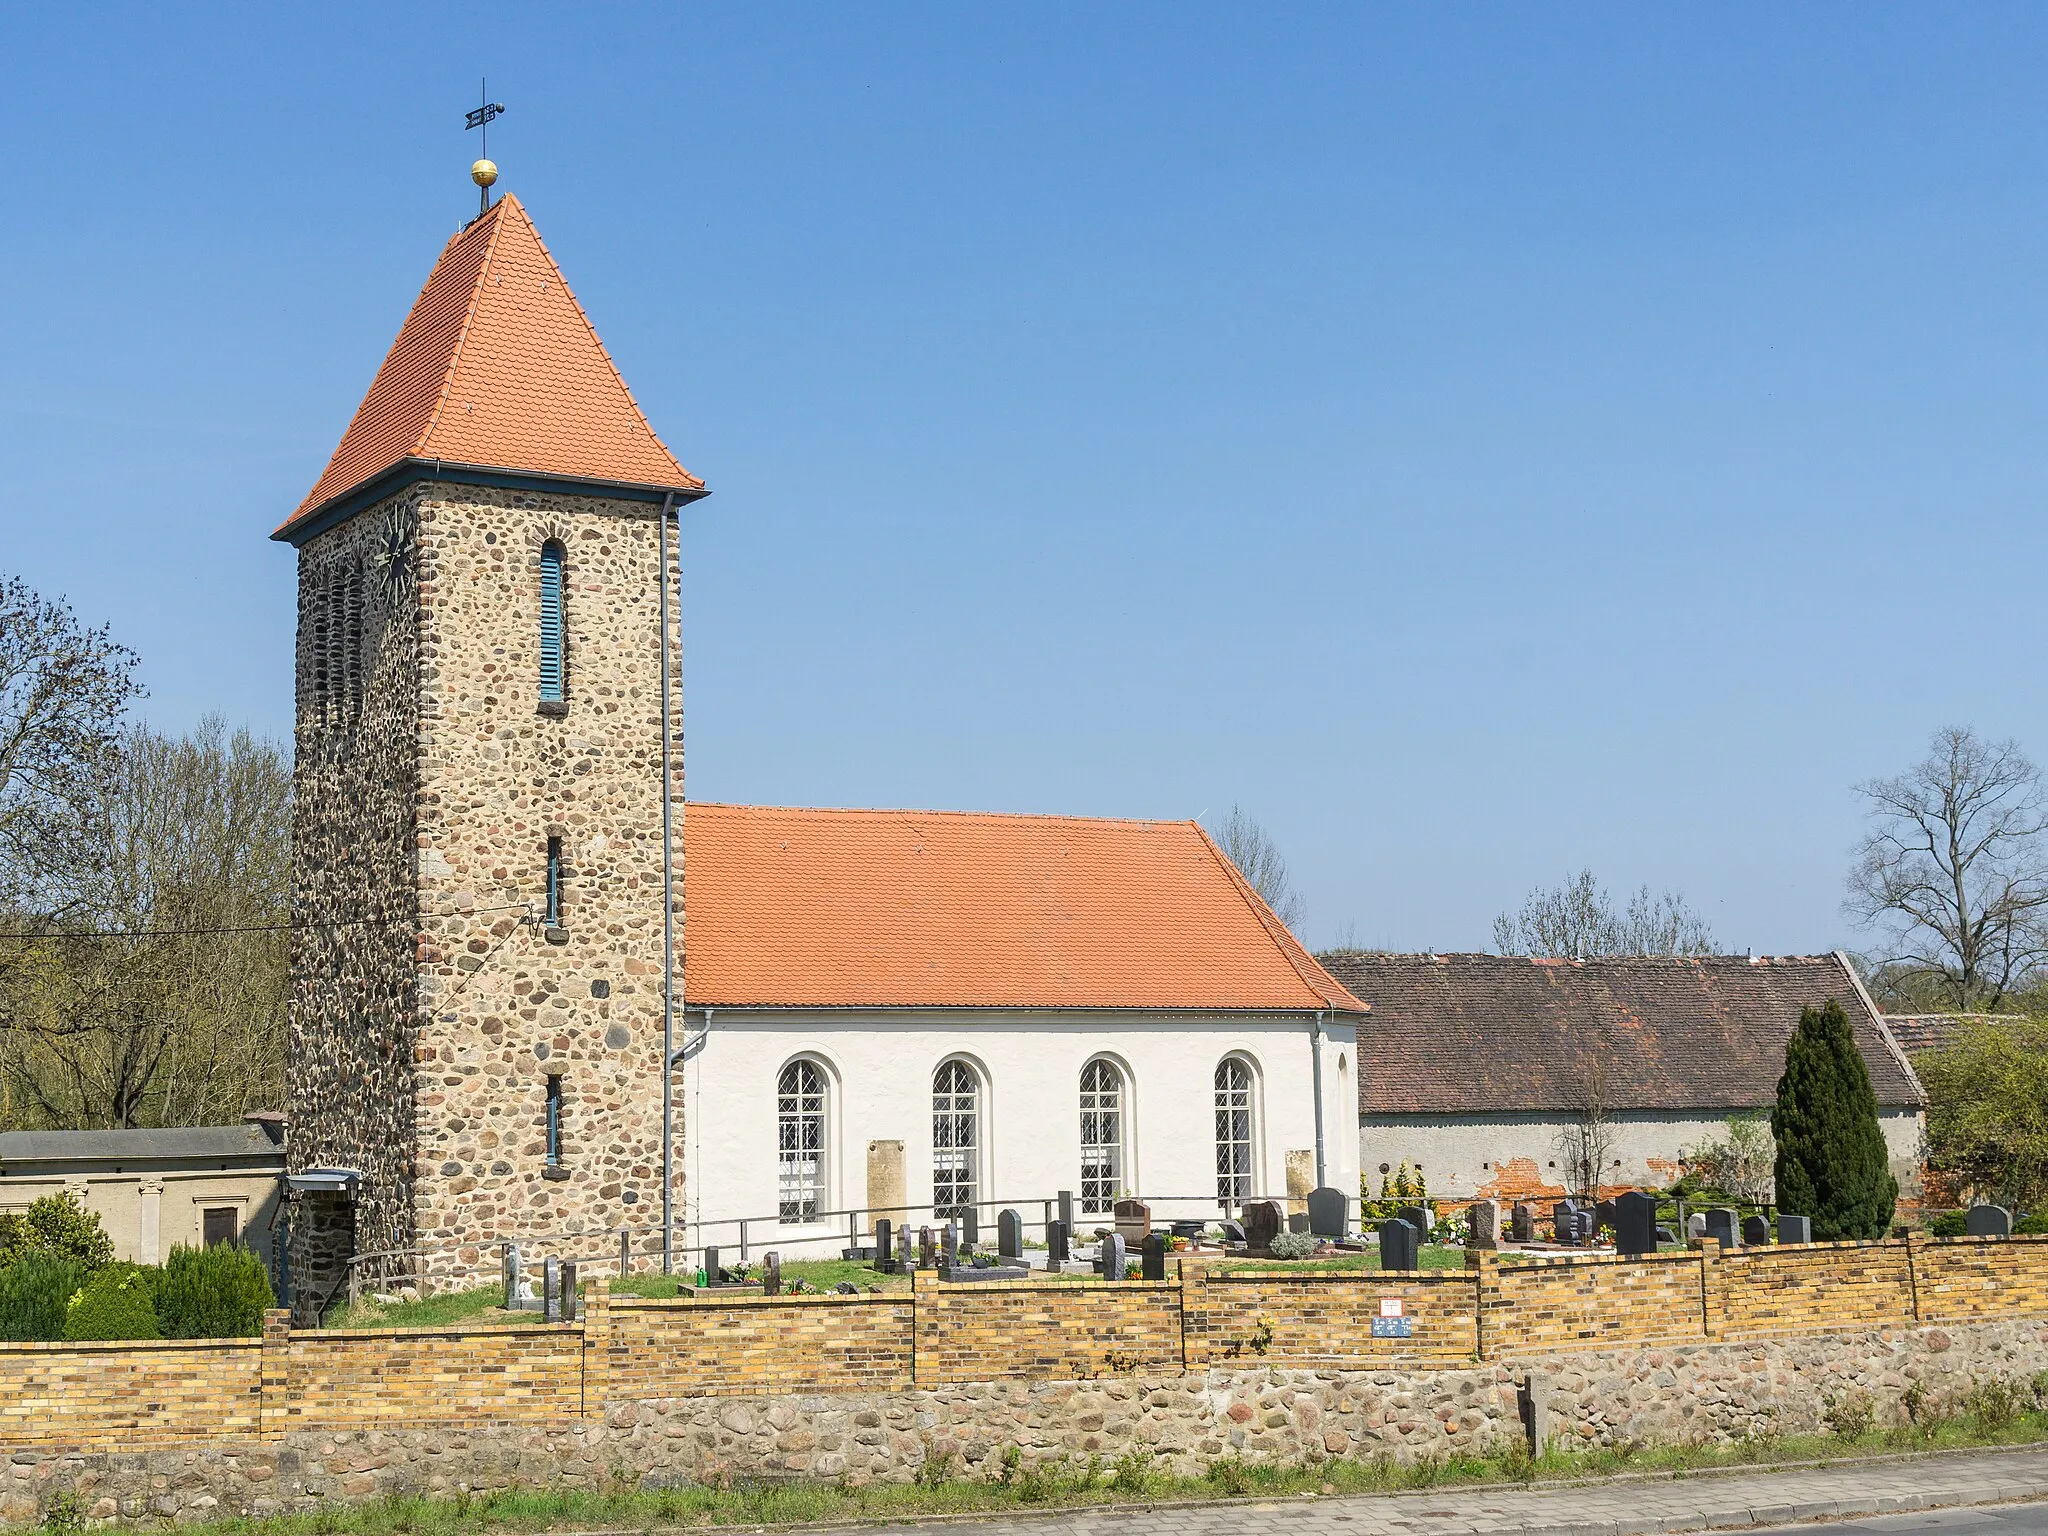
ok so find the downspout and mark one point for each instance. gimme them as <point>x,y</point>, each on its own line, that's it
<point>1315,1056</point>
<point>668,912</point>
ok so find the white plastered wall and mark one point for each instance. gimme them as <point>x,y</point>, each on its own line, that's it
<point>149,1214</point>
<point>880,1066</point>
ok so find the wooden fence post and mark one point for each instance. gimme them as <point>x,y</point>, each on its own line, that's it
<point>273,1404</point>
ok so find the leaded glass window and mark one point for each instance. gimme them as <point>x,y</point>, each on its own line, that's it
<point>956,1138</point>
<point>800,1160</point>
<point>1233,1131</point>
<point>1102,1136</point>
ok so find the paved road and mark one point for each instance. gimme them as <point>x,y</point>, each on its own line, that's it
<point>1926,1493</point>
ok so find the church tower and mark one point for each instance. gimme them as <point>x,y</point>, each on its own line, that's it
<point>476,1009</point>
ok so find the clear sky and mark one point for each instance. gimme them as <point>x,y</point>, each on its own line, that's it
<point>1481,441</point>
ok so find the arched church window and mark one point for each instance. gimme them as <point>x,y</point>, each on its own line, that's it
<point>551,657</point>
<point>956,1138</point>
<point>800,1129</point>
<point>1233,1131</point>
<point>1102,1135</point>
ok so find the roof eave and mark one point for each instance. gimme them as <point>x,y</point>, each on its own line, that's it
<point>340,508</point>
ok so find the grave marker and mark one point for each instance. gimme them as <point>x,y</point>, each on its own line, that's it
<point>1067,1211</point>
<point>1987,1221</point>
<point>771,1274</point>
<point>1756,1231</point>
<point>1400,1245</point>
<point>1111,1256</point>
<point>1152,1257</point>
<point>1635,1223</point>
<point>927,1249</point>
<point>1327,1211</point>
<point>1794,1229</point>
<point>711,1269</point>
<point>1522,1222</point>
<point>1009,1235</point>
<point>1721,1226</point>
<point>1482,1224</point>
<point>885,1246</point>
<point>1262,1220</point>
<point>1056,1248</point>
<point>1133,1220</point>
<point>970,1226</point>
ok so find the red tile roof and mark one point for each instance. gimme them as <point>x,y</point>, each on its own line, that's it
<point>948,909</point>
<point>1493,1034</point>
<point>498,366</point>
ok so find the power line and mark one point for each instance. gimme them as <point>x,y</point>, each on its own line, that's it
<point>197,933</point>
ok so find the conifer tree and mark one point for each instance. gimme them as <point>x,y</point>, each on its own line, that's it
<point>1831,1153</point>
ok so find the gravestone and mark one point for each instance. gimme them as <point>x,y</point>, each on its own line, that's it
<point>1009,1235</point>
<point>1794,1229</point>
<point>1635,1223</point>
<point>1482,1224</point>
<point>1563,1224</point>
<point>970,1226</point>
<point>1696,1225</point>
<point>949,1245</point>
<point>1721,1226</point>
<point>508,1264</point>
<point>1056,1248</point>
<point>1583,1230</point>
<point>1756,1230</point>
<point>1420,1217</point>
<point>1110,1256</point>
<point>846,1288</point>
<point>1522,1222</point>
<point>1067,1211</point>
<point>1327,1210</point>
<point>885,1246</point>
<point>711,1270</point>
<point>1400,1245</point>
<point>1233,1231</point>
<point>1297,1221</point>
<point>771,1275</point>
<point>1152,1257</point>
<point>551,1290</point>
<point>1987,1221</point>
<point>927,1249</point>
<point>1261,1225</point>
<point>1133,1221</point>
<point>906,1251</point>
<point>1666,1235</point>
<point>1603,1214</point>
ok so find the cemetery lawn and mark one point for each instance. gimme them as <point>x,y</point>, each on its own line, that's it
<point>1434,1256</point>
<point>1002,1483</point>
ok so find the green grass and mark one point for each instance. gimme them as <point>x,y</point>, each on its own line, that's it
<point>478,1307</point>
<point>1433,1257</point>
<point>1003,1482</point>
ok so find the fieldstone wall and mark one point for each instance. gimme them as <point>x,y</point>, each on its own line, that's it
<point>431,777</point>
<point>1708,1392</point>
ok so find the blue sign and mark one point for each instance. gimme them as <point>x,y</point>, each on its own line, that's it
<point>1393,1327</point>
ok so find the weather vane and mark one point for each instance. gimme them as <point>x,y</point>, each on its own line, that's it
<point>483,173</point>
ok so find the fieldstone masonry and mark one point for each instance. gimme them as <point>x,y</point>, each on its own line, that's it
<point>429,782</point>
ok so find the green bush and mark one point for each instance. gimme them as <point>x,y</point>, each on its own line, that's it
<point>34,1291</point>
<point>2035,1225</point>
<point>212,1293</point>
<point>115,1304</point>
<point>1832,1161</point>
<point>57,1227</point>
<point>1948,1224</point>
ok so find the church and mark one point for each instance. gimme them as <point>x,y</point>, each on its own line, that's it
<point>539,995</point>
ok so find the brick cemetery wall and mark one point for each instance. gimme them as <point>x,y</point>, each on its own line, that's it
<point>1796,1290</point>
<point>437,1375</point>
<point>725,1346</point>
<point>1967,1277</point>
<point>1593,1303</point>
<point>112,1396</point>
<point>1045,1330</point>
<point>1327,1319</point>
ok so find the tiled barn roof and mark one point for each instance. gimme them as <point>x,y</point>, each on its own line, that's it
<point>1917,1032</point>
<point>498,367</point>
<point>1478,1034</point>
<point>948,909</point>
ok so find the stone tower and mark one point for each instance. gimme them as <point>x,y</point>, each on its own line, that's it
<point>476,1011</point>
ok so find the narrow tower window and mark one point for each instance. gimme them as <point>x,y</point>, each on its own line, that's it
<point>551,623</point>
<point>554,901</point>
<point>554,1122</point>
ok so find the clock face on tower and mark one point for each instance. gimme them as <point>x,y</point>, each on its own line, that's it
<point>393,546</point>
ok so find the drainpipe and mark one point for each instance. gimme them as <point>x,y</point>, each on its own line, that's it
<point>1315,1056</point>
<point>668,910</point>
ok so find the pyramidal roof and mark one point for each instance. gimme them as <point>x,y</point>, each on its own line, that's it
<point>497,367</point>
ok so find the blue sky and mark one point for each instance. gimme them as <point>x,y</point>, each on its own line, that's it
<point>1480,441</point>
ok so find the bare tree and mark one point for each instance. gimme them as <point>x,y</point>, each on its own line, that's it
<point>1578,920</point>
<point>63,691</point>
<point>1585,1143</point>
<point>1257,857</point>
<point>161,999</point>
<point>1955,868</point>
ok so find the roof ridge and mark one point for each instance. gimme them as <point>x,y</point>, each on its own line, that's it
<point>483,268</point>
<point>893,812</point>
<point>1281,935</point>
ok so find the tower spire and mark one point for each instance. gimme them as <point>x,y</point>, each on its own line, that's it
<point>483,172</point>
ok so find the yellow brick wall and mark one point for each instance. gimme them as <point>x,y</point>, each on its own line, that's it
<point>1977,1277</point>
<point>1808,1290</point>
<point>1050,1330</point>
<point>758,1344</point>
<point>1326,1319</point>
<point>442,1375</point>
<point>112,1396</point>
<point>1595,1303</point>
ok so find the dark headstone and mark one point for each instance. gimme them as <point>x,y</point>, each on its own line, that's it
<point>1010,1234</point>
<point>1233,1231</point>
<point>1635,1223</point>
<point>1400,1245</point>
<point>1583,1230</point>
<point>1057,1251</point>
<point>551,1290</point>
<point>1111,1256</point>
<point>1420,1217</point>
<point>508,1265</point>
<point>906,1251</point>
<point>1067,1211</point>
<point>1795,1229</point>
<point>1297,1221</point>
<point>970,1226</point>
<point>1482,1225</point>
<point>949,1245</point>
<point>927,1249</point>
<point>885,1246</point>
<point>1152,1257</point>
<point>711,1269</point>
<point>1133,1220</point>
<point>1262,1219</point>
<point>1327,1210</point>
<point>1721,1226</point>
<point>1603,1214</point>
<point>567,1311</point>
<point>846,1288</point>
<point>771,1275</point>
<point>1564,1220</point>
<point>1522,1222</point>
<point>1756,1230</point>
<point>1666,1235</point>
<point>1987,1221</point>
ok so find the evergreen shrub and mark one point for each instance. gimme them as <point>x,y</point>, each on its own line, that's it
<point>1948,1224</point>
<point>115,1304</point>
<point>34,1292</point>
<point>1832,1163</point>
<point>57,1227</point>
<point>218,1292</point>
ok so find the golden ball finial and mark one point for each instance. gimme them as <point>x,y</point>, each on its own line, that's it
<point>484,173</point>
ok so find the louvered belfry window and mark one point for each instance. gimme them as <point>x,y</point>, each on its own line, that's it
<point>551,669</point>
